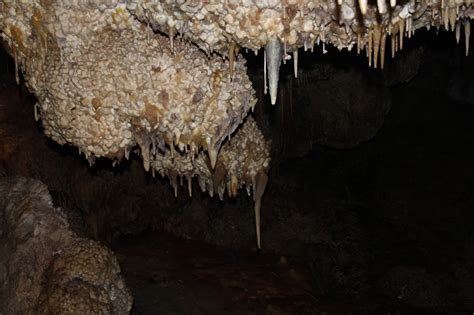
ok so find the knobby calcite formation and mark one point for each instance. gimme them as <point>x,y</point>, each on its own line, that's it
<point>100,89</point>
<point>283,26</point>
<point>45,268</point>
<point>106,83</point>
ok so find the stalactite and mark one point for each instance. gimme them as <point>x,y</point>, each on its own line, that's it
<point>273,56</point>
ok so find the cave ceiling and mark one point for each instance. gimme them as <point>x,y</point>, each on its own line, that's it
<point>167,76</point>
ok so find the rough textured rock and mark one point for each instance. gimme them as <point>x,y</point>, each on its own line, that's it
<point>44,266</point>
<point>84,278</point>
<point>106,83</point>
<point>297,23</point>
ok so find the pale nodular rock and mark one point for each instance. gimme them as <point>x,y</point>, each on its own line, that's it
<point>283,26</point>
<point>106,81</point>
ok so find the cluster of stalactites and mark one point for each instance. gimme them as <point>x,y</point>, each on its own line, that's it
<point>114,85</point>
<point>283,26</point>
<point>243,161</point>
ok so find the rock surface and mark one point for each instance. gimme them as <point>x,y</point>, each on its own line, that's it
<point>45,268</point>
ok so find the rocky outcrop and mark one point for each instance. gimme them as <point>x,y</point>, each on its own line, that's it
<point>45,268</point>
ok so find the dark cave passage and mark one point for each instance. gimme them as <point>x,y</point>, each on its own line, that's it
<point>369,208</point>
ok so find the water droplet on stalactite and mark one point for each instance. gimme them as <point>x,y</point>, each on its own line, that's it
<point>273,58</point>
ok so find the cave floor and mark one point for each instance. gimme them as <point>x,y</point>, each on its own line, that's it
<point>172,276</point>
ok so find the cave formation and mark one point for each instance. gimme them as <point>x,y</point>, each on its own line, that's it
<point>181,87</point>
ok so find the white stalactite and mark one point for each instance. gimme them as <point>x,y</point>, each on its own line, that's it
<point>274,56</point>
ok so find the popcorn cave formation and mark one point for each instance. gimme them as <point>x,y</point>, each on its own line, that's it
<point>82,275</point>
<point>165,79</point>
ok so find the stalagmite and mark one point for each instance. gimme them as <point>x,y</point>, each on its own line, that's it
<point>273,56</point>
